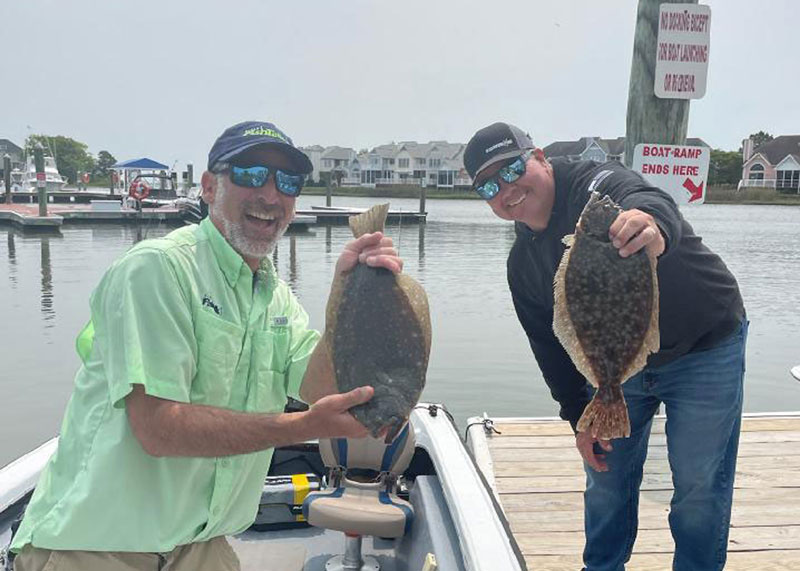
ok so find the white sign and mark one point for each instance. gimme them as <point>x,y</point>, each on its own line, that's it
<point>681,171</point>
<point>682,51</point>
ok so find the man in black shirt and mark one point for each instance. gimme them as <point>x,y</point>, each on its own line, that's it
<point>697,374</point>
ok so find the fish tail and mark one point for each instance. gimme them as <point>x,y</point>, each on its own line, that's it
<point>606,416</point>
<point>373,220</point>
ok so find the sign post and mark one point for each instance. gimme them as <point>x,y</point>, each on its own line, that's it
<point>41,179</point>
<point>7,176</point>
<point>680,171</point>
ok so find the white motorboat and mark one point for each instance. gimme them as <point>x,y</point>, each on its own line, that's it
<point>26,181</point>
<point>452,520</point>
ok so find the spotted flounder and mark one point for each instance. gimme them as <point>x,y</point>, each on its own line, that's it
<point>605,315</point>
<point>378,331</point>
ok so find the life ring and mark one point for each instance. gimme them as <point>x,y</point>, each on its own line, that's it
<point>85,177</point>
<point>139,189</point>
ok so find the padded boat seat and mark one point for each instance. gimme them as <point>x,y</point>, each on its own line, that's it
<point>360,509</point>
<point>362,499</point>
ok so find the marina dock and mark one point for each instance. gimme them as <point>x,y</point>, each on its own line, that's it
<point>26,216</point>
<point>538,477</point>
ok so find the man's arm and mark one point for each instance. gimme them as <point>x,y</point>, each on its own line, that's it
<point>170,428</point>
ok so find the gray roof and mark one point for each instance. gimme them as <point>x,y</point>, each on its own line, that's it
<point>313,148</point>
<point>9,146</point>
<point>780,147</point>
<point>341,153</point>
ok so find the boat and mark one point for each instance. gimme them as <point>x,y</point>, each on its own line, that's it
<point>25,181</point>
<point>457,523</point>
<point>796,372</point>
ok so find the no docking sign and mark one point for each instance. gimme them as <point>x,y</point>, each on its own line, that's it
<point>680,170</point>
<point>682,51</point>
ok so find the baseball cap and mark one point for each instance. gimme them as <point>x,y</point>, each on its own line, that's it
<point>494,143</point>
<point>248,134</point>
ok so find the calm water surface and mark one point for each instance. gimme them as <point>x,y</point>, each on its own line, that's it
<point>480,357</point>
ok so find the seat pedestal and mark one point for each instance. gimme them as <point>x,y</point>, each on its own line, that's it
<point>352,559</point>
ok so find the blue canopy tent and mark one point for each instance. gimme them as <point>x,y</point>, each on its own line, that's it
<point>130,169</point>
<point>143,163</point>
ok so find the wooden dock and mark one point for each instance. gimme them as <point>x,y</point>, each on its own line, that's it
<point>26,216</point>
<point>538,477</point>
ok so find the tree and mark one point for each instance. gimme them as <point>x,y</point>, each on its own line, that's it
<point>105,161</point>
<point>71,156</point>
<point>760,138</point>
<point>725,167</point>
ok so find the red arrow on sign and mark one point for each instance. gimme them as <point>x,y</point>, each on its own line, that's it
<point>696,192</point>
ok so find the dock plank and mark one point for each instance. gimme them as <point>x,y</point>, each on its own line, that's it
<point>539,480</point>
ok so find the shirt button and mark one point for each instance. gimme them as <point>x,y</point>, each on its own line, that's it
<point>226,463</point>
<point>215,510</point>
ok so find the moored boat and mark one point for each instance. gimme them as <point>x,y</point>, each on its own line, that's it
<point>453,521</point>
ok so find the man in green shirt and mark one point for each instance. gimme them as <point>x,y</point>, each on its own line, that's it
<point>193,347</point>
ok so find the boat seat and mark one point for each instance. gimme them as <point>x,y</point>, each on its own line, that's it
<point>362,495</point>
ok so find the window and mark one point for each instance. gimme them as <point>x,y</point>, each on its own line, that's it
<point>402,163</point>
<point>419,162</point>
<point>757,172</point>
<point>435,163</point>
<point>788,179</point>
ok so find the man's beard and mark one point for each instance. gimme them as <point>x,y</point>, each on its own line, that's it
<point>239,241</point>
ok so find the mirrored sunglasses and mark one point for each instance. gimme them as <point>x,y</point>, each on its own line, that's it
<point>489,188</point>
<point>286,182</point>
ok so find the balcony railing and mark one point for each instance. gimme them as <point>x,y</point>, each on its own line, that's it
<point>769,183</point>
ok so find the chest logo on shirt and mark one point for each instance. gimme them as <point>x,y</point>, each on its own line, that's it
<point>282,321</point>
<point>208,302</point>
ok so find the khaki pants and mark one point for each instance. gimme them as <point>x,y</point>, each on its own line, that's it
<point>212,555</point>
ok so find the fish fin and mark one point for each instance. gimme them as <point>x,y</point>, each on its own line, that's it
<point>568,240</point>
<point>418,300</point>
<point>606,417</point>
<point>563,326</point>
<point>395,425</point>
<point>373,220</point>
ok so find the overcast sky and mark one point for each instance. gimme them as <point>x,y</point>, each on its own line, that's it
<point>164,78</point>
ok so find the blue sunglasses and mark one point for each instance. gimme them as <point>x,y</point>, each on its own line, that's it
<point>489,188</point>
<point>286,182</point>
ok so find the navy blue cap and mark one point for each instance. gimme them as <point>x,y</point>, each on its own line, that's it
<point>248,134</point>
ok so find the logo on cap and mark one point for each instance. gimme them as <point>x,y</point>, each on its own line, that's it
<point>264,131</point>
<point>503,143</point>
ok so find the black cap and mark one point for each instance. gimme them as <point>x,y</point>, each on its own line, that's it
<point>494,143</point>
<point>248,134</point>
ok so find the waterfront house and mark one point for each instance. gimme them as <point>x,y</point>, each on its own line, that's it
<point>314,153</point>
<point>433,164</point>
<point>775,164</point>
<point>337,162</point>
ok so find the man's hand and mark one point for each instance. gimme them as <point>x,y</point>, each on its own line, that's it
<point>374,249</point>
<point>634,230</point>
<point>329,416</point>
<point>584,442</point>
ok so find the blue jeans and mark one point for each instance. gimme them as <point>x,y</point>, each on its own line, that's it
<point>702,396</point>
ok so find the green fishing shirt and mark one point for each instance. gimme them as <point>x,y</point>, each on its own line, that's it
<point>184,316</point>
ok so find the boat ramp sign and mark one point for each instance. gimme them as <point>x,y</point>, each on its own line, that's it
<point>679,170</point>
<point>682,51</point>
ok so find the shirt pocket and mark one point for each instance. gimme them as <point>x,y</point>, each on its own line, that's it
<point>270,354</point>
<point>219,344</point>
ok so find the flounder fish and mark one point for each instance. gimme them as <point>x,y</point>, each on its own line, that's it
<point>605,315</point>
<point>378,331</point>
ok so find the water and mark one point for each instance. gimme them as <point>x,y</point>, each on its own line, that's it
<point>480,357</point>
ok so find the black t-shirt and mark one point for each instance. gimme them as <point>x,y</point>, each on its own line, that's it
<point>699,299</point>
